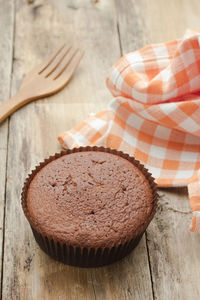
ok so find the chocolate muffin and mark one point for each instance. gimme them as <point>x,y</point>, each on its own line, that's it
<point>89,206</point>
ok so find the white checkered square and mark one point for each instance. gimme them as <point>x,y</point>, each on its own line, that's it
<point>189,125</point>
<point>194,83</point>
<point>167,108</point>
<point>161,52</point>
<point>114,75</point>
<point>188,57</point>
<point>166,75</point>
<point>189,156</point>
<point>142,97</point>
<point>130,139</point>
<point>184,174</point>
<point>135,121</point>
<point>135,57</point>
<point>156,172</point>
<point>162,132</point>
<point>119,82</point>
<point>79,139</point>
<point>97,124</point>
<point>158,152</point>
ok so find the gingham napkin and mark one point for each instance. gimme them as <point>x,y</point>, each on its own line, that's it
<point>154,115</point>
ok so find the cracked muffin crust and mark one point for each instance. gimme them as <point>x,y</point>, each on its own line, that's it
<point>90,199</point>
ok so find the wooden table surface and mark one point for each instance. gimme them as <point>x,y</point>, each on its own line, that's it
<point>166,264</point>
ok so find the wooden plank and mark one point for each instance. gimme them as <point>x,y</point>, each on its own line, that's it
<point>29,273</point>
<point>174,251</point>
<point>6,46</point>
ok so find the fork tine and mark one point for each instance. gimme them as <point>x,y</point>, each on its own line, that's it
<point>57,61</point>
<point>50,59</point>
<point>71,65</point>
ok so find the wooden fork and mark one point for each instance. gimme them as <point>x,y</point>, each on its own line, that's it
<point>44,80</point>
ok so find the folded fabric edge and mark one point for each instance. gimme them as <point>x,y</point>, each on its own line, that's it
<point>195,226</point>
<point>67,141</point>
<point>60,138</point>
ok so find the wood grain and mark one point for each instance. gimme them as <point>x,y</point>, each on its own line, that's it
<point>174,251</point>
<point>6,46</point>
<point>28,272</point>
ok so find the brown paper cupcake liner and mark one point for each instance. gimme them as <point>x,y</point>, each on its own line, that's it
<point>84,257</point>
<point>87,257</point>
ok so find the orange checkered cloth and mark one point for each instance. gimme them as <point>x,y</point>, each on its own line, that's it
<point>154,115</point>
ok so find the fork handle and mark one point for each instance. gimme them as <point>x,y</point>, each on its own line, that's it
<point>12,104</point>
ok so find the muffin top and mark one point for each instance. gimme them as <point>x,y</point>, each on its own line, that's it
<point>90,199</point>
